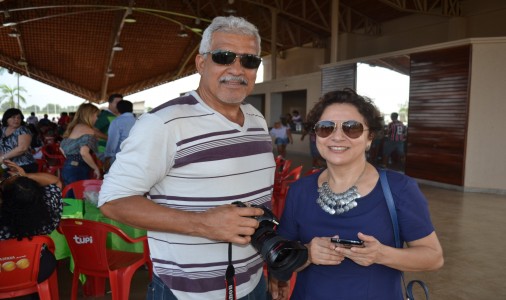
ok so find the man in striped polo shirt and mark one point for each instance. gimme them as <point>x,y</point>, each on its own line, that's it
<point>187,160</point>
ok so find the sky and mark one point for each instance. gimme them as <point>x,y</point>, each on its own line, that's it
<point>389,90</point>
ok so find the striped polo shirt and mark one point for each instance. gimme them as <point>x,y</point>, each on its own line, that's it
<point>189,157</point>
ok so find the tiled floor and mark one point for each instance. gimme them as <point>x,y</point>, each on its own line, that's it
<point>470,226</point>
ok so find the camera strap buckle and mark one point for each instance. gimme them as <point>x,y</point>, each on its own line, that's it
<point>230,277</point>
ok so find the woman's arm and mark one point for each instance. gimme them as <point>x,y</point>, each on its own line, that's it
<point>41,178</point>
<point>88,159</point>
<point>99,134</point>
<point>24,141</point>
<point>424,254</point>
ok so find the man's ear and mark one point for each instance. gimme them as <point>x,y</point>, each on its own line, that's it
<point>200,63</point>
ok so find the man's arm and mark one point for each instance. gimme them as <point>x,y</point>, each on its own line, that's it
<point>142,163</point>
<point>227,223</point>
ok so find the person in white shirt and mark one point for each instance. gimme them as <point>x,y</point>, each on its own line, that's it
<point>185,163</point>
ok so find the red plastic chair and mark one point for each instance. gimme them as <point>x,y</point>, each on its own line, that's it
<point>278,199</point>
<point>87,243</point>
<point>20,267</point>
<point>79,187</point>
<point>282,169</point>
<point>54,158</point>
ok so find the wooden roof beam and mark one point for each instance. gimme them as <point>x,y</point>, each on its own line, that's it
<point>446,8</point>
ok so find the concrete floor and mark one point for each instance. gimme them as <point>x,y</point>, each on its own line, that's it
<point>470,227</point>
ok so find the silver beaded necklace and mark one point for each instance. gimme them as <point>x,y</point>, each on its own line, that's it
<point>338,203</point>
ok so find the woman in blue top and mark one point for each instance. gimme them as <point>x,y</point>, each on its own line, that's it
<point>346,201</point>
<point>79,144</point>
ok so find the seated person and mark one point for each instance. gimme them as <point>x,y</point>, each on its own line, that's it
<point>30,205</point>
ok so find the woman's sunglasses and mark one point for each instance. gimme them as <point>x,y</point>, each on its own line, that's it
<point>352,129</point>
<point>222,57</point>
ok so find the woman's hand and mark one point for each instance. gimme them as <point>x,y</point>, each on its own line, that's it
<point>364,256</point>
<point>41,178</point>
<point>14,169</point>
<point>322,252</point>
<point>96,173</point>
<point>424,254</point>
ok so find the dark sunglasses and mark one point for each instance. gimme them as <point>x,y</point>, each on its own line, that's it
<point>352,129</point>
<point>222,57</point>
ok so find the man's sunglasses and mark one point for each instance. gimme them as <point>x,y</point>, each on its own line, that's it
<point>222,57</point>
<point>352,129</point>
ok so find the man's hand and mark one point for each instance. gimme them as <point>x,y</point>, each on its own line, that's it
<point>280,290</point>
<point>229,223</point>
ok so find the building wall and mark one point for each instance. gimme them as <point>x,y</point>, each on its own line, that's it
<point>486,137</point>
<point>297,61</point>
<point>480,18</point>
<point>273,90</point>
<point>485,165</point>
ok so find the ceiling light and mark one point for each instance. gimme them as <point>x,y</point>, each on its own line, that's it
<point>9,23</point>
<point>14,33</point>
<point>22,63</point>
<point>229,10</point>
<point>182,33</point>
<point>129,17</point>
<point>7,19</point>
<point>117,47</point>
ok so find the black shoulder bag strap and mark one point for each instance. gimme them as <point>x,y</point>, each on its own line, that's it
<point>393,215</point>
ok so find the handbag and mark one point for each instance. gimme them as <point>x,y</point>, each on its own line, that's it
<point>395,223</point>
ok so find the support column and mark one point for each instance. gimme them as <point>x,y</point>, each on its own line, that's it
<point>274,40</point>
<point>334,33</point>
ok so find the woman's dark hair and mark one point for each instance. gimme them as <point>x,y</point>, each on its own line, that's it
<point>364,105</point>
<point>10,113</point>
<point>23,209</point>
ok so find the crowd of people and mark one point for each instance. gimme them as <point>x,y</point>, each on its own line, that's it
<point>30,198</point>
<point>179,171</point>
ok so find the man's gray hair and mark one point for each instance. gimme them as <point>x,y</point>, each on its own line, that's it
<point>231,24</point>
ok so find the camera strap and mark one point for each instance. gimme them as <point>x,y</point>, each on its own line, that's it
<point>230,277</point>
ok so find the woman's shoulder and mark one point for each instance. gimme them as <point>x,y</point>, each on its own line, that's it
<point>83,138</point>
<point>401,183</point>
<point>396,177</point>
<point>306,180</point>
<point>22,130</point>
<point>82,129</point>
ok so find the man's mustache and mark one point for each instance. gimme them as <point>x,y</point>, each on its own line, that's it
<point>240,79</point>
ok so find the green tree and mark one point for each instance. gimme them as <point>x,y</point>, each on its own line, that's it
<point>12,94</point>
<point>51,108</point>
<point>29,109</point>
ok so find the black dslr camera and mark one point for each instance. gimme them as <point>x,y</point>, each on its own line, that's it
<point>282,256</point>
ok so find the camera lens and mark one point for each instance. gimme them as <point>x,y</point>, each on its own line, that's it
<point>282,256</point>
